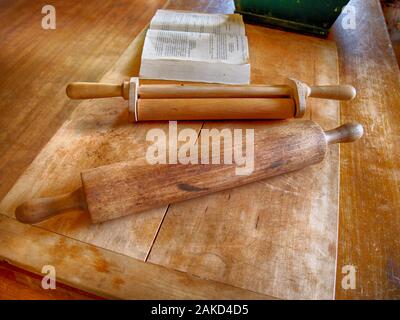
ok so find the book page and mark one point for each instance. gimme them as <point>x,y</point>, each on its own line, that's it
<point>198,22</point>
<point>175,45</point>
<point>189,46</point>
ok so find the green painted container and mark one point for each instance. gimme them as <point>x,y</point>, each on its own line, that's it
<point>308,16</point>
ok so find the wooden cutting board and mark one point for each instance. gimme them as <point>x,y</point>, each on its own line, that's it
<point>277,237</point>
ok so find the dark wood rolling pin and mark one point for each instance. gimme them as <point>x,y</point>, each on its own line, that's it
<point>121,189</point>
<point>211,102</point>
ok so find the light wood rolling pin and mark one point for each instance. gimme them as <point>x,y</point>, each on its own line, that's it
<point>211,102</point>
<point>214,109</point>
<point>121,189</point>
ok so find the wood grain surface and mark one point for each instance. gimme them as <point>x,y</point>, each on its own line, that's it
<point>370,176</point>
<point>37,64</point>
<point>369,198</point>
<point>280,219</point>
<point>104,272</point>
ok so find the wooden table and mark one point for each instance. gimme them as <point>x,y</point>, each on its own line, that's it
<point>369,198</point>
<point>370,190</point>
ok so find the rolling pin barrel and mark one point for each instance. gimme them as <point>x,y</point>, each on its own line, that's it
<point>214,109</point>
<point>120,189</point>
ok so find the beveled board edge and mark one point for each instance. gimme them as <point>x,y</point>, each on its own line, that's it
<point>104,272</point>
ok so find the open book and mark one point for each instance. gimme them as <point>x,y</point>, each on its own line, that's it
<point>199,47</point>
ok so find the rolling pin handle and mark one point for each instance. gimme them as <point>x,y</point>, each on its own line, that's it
<point>343,92</point>
<point>89,90</point>
<point>37,210</point>
<point>125,89</point>
<point>348,132</point>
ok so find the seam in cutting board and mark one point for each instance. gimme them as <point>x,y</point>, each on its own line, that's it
<point>156,234</point>
<point>165,213</point>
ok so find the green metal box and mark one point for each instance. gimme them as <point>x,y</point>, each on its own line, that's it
<point>310,16</point>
